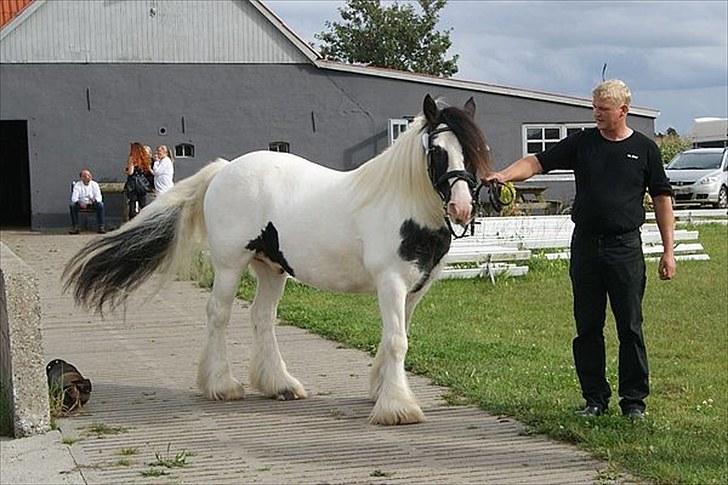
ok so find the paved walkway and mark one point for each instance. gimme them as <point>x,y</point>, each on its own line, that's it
<point>143,366</point>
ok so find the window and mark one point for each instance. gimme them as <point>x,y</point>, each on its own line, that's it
<point>184,150</point>
<point>279,146</point>
<point>538,138</point>
<point>397,126</point>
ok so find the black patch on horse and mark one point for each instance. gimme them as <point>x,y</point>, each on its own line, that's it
<point>423,246</point>
<point>267,244</point>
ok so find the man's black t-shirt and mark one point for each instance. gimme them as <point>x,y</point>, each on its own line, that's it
<point>611,178</point>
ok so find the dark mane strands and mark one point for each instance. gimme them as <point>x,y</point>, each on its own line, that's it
<point>470,136</point>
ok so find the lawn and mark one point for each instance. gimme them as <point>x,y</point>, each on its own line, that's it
<point>506,347</point>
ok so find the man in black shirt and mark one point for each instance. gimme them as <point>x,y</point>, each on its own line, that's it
<point>613,167</point>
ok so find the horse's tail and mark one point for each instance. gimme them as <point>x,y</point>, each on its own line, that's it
<point>162,238</point>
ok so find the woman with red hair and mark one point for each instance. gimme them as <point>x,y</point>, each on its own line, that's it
<point>138,170</point>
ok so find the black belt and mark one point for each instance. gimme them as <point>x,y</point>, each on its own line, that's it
<point>606,235</point>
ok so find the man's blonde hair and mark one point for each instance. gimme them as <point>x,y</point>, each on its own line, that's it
<point>613,90</point>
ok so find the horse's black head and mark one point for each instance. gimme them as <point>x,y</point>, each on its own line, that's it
<point>472,144</point>
<point>462,123</point>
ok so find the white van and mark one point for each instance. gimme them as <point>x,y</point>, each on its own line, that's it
<point>700,177</point>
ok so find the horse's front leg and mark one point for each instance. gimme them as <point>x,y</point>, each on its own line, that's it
<point>268,371</point>
<point>375,378</point>
<point>395,403</point>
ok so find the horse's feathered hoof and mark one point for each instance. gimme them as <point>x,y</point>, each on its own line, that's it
<point>291,395</point>
<point>396,412</point>
<point>229,390</point>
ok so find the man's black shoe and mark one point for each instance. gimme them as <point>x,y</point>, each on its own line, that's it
<point>590,411</point>
<point>635,414</point>
<point>74,230</point>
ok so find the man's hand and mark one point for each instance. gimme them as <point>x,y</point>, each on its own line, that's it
<point>666,268</point>
<point>495,176</point>
<point>665,223</point>
<point>519,170</point>
<point>82,205</point>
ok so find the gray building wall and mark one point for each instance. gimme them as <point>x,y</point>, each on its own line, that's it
<point>85,115</point>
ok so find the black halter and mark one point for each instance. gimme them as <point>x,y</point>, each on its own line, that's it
<point>438,172</point>
<point>443,181</point>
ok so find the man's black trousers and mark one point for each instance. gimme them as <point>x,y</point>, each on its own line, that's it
<point>613,266</point>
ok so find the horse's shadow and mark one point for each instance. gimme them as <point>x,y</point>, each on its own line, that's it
<point>140,405</point>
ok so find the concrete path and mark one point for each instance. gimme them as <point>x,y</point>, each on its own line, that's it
<point>145,406</point>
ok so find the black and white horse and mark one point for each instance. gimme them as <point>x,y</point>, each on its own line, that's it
<point>380,228</point>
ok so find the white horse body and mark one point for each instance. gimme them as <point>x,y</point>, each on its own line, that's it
<point>295,195</point>
<point>378,228</point>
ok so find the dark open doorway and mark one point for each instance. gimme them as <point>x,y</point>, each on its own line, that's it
<point>15,193</point>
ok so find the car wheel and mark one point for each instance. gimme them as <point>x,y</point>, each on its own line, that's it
<point>723,198</point>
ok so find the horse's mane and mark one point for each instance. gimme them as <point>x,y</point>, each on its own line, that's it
<point>401,170</point>
<point>471,138</point>
<point>398,174</point>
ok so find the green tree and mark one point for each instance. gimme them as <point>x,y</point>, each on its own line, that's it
<point>671,144</point>
<point>396,37</point>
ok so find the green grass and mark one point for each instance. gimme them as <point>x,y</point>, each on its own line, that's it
<point>154,472</point>
<point>167,460</point>
<point>507,348</point>
<point>101,429</point>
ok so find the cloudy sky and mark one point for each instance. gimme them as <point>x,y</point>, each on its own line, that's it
<point>672,54</point>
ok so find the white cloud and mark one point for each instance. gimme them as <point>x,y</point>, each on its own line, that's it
<point>673,54</point>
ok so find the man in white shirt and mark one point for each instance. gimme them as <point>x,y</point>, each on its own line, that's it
<point>86,194</point>
<point>163,170</point>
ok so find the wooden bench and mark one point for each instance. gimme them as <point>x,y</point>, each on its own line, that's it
<point>530,201</point>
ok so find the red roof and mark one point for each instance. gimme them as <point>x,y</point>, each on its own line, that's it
<point>10,8</point>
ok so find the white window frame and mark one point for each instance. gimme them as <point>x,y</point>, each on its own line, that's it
<point>541,126</point>
<point>396,127</point>
<point>183,146</point>
<point>554,175</point>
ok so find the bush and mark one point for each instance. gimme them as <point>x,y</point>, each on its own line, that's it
<point>671,145</point>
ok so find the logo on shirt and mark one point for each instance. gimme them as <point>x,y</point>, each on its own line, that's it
<point>633,156</point>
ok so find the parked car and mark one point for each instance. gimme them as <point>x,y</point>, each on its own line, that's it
<point>700,177</point>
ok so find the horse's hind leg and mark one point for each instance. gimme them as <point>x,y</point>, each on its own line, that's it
<point>214,377</point>
<point>268,372</point>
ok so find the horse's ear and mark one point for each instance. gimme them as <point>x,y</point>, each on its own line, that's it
<point>429,108</point>
<point>470,107</point>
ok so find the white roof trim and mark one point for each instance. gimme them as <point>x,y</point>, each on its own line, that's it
<point>20,18</point>
<point>472,85</point>
<point>292,36</point>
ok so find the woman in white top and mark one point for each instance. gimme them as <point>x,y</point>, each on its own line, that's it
<point>163,170</point>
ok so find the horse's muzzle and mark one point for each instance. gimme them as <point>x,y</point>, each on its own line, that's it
<point>460,205</point>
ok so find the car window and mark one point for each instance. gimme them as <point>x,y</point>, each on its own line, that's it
<point>696,161</point>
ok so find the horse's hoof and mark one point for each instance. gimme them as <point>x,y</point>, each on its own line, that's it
<point>229,392</point>
<point>291,394</point>
<point>396,413</point>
